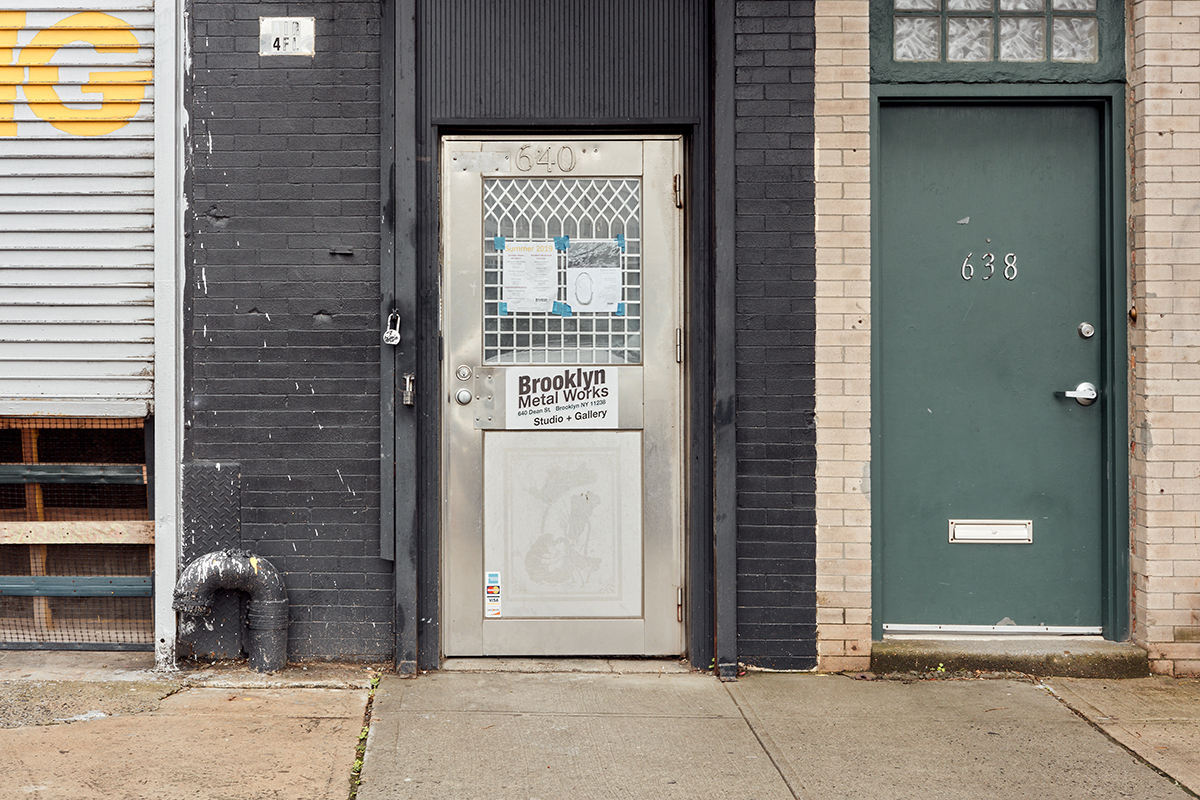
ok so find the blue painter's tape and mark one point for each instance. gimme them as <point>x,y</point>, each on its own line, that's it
<point>561,308</point>
<point>499,242</point>
<point>502,308</point>
<point>621,241</point>
<point>620,312</point>
<point>562,242</point>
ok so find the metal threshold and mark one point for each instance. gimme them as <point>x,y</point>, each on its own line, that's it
<point>906,631</point>
<point>622,666</point>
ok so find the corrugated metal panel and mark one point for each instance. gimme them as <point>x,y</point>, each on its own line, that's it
<point>547,60</point>
<point>77,208</point>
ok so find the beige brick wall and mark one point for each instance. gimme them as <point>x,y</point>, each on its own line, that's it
<point>843,352</point>
<point>1164,213</point>
<point>1164,80</point>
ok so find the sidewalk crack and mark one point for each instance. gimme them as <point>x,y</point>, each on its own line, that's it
<point>779,760</point>
<point>1067,704</point>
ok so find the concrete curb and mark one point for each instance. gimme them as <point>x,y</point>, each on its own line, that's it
<point>1075,657</point>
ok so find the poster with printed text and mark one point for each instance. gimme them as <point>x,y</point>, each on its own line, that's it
<point>530,281</point>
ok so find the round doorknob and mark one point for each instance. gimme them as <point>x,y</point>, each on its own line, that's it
<point>463,396</point>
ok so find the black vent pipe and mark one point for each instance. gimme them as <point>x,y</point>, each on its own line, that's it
<point>242,571</point>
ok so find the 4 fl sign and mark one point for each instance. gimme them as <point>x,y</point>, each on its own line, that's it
<point>108,97</point>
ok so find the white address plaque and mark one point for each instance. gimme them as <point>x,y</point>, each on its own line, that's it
<point>287,36</point>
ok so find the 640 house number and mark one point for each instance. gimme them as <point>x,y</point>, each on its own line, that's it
<point>987,267</point>
<point>546,157</point>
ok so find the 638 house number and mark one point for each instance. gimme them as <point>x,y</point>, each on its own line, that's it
<point>532,157</point>
<point>988,263</point>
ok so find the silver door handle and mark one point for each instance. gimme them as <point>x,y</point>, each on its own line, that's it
<point>1085,393</point>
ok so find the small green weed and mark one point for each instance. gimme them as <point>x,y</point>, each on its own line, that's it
<point>361,749</point>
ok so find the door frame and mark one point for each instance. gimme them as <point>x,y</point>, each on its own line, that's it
<point>1110,99</point>
<point>411,124</point>
<point>445,381</point>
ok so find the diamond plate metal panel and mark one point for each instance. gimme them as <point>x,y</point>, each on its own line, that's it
<point>212,520</point>
<point>212,507</point>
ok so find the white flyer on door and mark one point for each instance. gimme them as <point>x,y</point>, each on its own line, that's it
<point>560,398</point>
<point>530,280</point>
<point>594,275</point>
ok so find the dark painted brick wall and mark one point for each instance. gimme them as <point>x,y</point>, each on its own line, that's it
<point>282,339</point>
<point>776,439</point>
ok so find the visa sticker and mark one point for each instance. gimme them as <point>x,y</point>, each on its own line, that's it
<point>491,595</point>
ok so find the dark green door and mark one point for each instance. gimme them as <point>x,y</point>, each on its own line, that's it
<point>989,260</point>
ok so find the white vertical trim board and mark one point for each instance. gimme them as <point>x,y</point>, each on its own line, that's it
<point>168,305</point>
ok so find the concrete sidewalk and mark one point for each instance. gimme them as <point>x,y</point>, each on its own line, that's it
<point>598,729</point>
<point>105,726</point>
<point>1157,718</point>
<point>612,733</point>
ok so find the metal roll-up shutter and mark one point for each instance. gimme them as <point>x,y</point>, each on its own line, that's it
<point>77,208</point>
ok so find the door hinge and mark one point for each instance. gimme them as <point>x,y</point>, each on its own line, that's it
<point>678,191</point>
<point>679,345</point>
<point>679,605</point>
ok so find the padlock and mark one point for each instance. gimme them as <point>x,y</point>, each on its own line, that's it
<point>392,334</point>
<point>408,388</point>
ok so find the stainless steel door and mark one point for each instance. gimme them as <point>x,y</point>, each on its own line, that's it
<point>562,417</point>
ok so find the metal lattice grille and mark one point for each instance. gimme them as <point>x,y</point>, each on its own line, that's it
<point>581,209</point>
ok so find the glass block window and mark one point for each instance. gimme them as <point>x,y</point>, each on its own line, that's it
<point>988,31</point>
<point>566,211</point>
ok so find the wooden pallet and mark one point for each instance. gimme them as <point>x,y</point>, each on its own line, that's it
<point>39,526</point>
